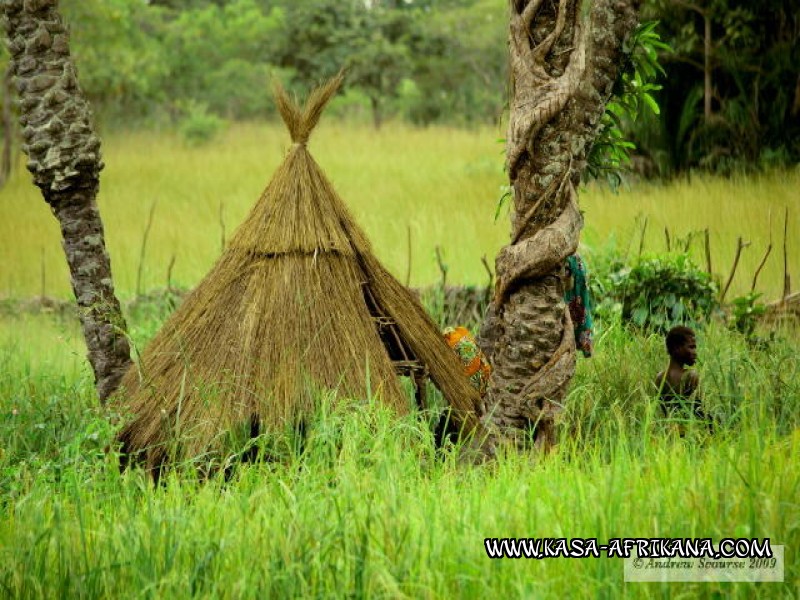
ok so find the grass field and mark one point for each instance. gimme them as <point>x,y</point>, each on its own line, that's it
<point>370,509</point>
<point>439,185</point>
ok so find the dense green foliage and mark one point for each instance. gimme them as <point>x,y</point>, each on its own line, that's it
<point>753,57</point>
<point>633,96</point>
<point>656,292</point>
<point>424,61</point>
<point>745,313</point>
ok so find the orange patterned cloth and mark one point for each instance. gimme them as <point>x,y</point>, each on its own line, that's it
<point>476,367</point>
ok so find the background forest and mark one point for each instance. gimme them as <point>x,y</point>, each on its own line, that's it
<point>733,99</point>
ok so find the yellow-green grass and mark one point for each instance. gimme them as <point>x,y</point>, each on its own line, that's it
<point>440,184</point>
<point>44,343</point>
<point>729,208</point>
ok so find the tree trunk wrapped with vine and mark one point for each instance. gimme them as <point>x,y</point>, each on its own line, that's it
<point>565,58</point>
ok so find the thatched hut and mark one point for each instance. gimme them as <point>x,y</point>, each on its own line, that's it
<point>297,303</point>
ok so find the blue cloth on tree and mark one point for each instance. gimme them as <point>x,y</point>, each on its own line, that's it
<point>580,305</point>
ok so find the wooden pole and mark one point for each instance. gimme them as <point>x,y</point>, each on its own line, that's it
<point>766,256</point>
<point>708,252</point>
<point>787,282</point>
<point>740,245</point>
<point>144,248</point>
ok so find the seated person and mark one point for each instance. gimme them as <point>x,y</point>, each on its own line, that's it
<point>679,387</point>
<point>476,368</point>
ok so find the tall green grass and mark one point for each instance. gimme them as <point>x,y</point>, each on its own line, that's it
<point>439,186</point>
<point>369,508</point>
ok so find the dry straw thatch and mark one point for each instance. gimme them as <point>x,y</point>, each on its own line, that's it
<point>297,303</point>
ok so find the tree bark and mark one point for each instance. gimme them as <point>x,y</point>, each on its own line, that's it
<point>64,158</point>
<point>377,117</point>
<point>707,88</point>
<point>565,59</point>
<point>8,129</point>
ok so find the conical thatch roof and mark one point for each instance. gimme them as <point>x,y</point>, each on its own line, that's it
<point>296,304</point>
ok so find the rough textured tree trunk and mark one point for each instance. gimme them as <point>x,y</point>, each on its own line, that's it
<point>565,58</point>
<point>377,116</point>
<point>64,158</point>
<point>707,88</point>
<point>8,129</point>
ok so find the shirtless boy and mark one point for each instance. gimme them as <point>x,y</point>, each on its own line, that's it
<point>679,387</point>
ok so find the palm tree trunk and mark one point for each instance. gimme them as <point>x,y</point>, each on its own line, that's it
<point>565,58</point>
<point>64,158</point>
<point>707,87</point>
<point>8,130</point>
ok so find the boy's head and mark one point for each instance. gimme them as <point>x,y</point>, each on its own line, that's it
<point>682,345</point>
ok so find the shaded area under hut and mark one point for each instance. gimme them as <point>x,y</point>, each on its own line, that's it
<point>297,304</point>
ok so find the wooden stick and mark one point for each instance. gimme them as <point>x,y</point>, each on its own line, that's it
<point>143,249</point>
<point>708,252</point>
<point>688,243</point>
<point>766,255</point>
<point>669,243</point>
<point>641,240</point>
<point>787,282</point>
<point>488,294</point>
<point>169,272</point>
<point>740,245</point>
<point>442,266</point>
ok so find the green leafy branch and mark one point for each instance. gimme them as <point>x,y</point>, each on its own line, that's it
<point>633,92</point>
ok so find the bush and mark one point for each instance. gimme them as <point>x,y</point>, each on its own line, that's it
<point>238,89</point>
<point>745,312</point>
<point>658,292</point>
<point>198,126</point>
